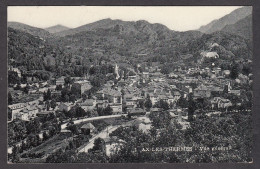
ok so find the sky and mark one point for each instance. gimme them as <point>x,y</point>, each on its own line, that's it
<point>178,18</point>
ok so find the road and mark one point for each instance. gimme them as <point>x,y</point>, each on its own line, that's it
<point>63,126</point>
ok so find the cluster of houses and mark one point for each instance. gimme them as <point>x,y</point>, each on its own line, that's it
<point>28,111</point>
<point>125,93</point>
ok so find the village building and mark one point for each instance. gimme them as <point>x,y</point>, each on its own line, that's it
<point>144,124</point>
<point>102,103</point>
<point>112,145</point>
<point>82,86</point>
<point>14,109</point>
<point>87,128</point>
<point>116,107</point>
<point>201,92</point>
<point>224,103</point>
<point>218,102</point>
<point>19,73</point>
<point>88,104</point>
<point>137,111</point>
<point>65,106</point>
<point>112,95</point>
<point>60,81</point>
<point>45,113</point>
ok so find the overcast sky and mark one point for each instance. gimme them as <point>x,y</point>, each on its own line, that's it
<point>176,18</point>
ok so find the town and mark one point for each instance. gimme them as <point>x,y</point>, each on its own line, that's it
<point>68,108</point>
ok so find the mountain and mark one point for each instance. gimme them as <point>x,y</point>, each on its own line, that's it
<point>29,29</point>
<point>127,43</point>
<point>205,28</point>
<point>105,23</point>
<point>229,19</point>
<point>109,23</point>
<point>56,28</point>
<point>242,28</point>
<point>126,38</point>
<point>229,45</point>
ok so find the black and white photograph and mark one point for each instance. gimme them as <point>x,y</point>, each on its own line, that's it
<point>129,84</point>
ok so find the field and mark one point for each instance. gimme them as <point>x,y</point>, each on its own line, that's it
<point>50,146</point>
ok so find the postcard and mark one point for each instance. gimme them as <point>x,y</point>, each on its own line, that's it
<point>130,84</point>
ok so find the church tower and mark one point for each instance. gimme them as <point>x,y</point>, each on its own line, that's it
<point>116,71</point>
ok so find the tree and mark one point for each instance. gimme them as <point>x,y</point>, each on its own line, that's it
<point>26,89</point>
<point>191,107</point>
<point>45,136</point>
<point>98,144</point>
<point>72,98</point>
<point>15,156</point>
<point>48,105</point>
<point>165,69</point>
<point>80,112</point>
<point>73,128</point>
<point>153,132</point>
<point>53,104</point>
<point>44,96</point>
<point>72,112</point>
<point>68,80</point>
<point>140,104</point>
<point>162,104</point>
<point>59,87</point>
<point>108,110</point>
<point>13,77</point>
<point>48,94</point>
<point>234,71</point>
<point>65,94</point>
<point>182,102</point>
<point>10,98</point>
<point>148,104</point>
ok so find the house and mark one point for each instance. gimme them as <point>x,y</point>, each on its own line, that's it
<point>176,96</point>
<point>42,90</point>
<point>224,103</point>
<point>82,85</point>
<point>101,103</point>
<point>173,75</point>
<point>88,104</point>
<point>65,106</point>
<point>31,111</point>
<point>109,83</point>
<point>112,95</point>
<point>112,145</point>
<point>143,123</point>
<point>45,113</point>
<point>19,73</point>
<point>217,70</point>
<point>154,98</point>
<point>156,110</point>
<point>129,101</point>
<point>145,75</point>
<point>87,128</point>
<point>202,92</point>
<point>210,54</point>
<point>235,92</point>
<point>14,109</point>
<point>137,111</point>
<point>116,107</point>
<point>22,116</point>
<point>60,81</point>
<point>226,73</point>
<point>214,102</point>
<point>218,102</point>
<point>187,89</point>
<point>32,91</point>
